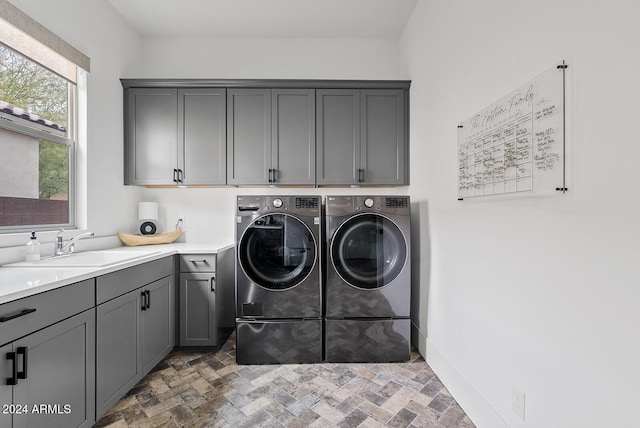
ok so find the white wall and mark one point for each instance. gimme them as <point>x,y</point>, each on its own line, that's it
<point>210,212</point>
<point>542,294</point>
<point>270,58</point>
<point>97,30</point>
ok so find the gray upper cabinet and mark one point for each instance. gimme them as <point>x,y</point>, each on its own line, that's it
<point>271,136</point>
<point>266,132</point>
<point>361,137</point>
<point>293,136</point>
<point>151,136</point>
<point>202,142</point>
<point>382,137</point>
<point>248,136</point>
<point>338,141</point>
<point>175,136</point>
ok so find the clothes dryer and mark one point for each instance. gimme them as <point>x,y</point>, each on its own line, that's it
<point>368,279</point>
<point>278,280</point>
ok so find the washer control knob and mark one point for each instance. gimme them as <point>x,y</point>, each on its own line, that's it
<point>368,202</point>
<point>277,202</point>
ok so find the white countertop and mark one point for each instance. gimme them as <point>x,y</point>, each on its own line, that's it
<point>19,282</point>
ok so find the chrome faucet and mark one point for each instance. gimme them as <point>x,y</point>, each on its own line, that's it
<point>71,245</point>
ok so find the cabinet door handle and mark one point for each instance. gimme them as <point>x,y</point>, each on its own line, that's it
<point>270,175</point>
<point>16,315</point>
<point>148,299</point>
<point>24,351</point>
<point>360,175</point>
<point>175,175</point>
<point>275,175</point>
<point>213,284</point>
<point>143,299</point>
<point>180,176</point>
<point>13,380</point>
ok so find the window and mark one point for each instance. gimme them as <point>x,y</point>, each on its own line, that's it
<point>38,122</point>
<point>36,144</point>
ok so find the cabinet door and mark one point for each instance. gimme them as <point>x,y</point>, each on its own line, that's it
<point>248,136</point>
<point>119,358</point>
<point>6,391</point>
<point>197,309</point>
<point>157,322</point>
<point>59,367</point>
<point>382,129</point>
<point>338,136</point>
<point>203,143</point>
<point>151,136</point>
<point>293,137</point>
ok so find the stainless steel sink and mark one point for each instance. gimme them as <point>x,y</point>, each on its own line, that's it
<point>87,259</point>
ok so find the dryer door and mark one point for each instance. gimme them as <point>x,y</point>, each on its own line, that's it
<point>277,251</point>
<point>368,251</point>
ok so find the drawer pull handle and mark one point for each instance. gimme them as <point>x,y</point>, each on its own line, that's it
<point>13,380</point>
<point>24,351</point>
<point>199,261</point>
<point>17,315</point>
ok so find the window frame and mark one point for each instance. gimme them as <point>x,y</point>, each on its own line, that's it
<point>70,141</point>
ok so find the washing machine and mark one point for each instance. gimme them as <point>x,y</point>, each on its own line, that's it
<point>368,279</point>
<point>278,280</point>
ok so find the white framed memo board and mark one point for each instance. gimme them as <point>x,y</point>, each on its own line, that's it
<point>516,146</point>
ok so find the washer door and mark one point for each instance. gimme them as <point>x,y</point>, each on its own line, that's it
<point>277,251</point>
<point>368,251</point>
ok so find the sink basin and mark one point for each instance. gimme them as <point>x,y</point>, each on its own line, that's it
<point>87,259</point>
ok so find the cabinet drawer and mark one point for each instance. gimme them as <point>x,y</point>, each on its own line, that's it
<point>118,283</point>
<point>198,263</point>
<point>41,310</point>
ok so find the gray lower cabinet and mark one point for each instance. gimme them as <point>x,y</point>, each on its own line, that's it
<point>206,298</point>
<point>197,309</point>
<point>135,330</point>
<point>119,365</point>
<point>54,375</point>
<point>48,358</point>
<point>361,137</point>
<point>271,136</point>
<point>158,322</point>
<point>175,136</point>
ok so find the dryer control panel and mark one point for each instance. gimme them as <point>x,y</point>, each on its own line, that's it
<point>253,205</point>
<point>338,205</point>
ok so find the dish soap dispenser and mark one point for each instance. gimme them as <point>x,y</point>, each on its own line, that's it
<point>33,249</point>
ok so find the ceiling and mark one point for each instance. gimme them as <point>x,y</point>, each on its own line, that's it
<point>267,18</point>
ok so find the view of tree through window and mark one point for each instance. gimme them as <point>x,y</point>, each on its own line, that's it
<point>33,169</point>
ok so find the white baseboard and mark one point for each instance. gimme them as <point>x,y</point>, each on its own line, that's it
<point>475,406</point>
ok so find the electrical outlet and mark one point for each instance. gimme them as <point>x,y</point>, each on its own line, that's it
<point>517,402</point>
<point>181,224</point>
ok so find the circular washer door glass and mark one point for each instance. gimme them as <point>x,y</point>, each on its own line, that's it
<point>277,251</point>
<point>368,251</point>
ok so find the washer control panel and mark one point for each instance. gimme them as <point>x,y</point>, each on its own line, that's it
<point>368,203</point>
